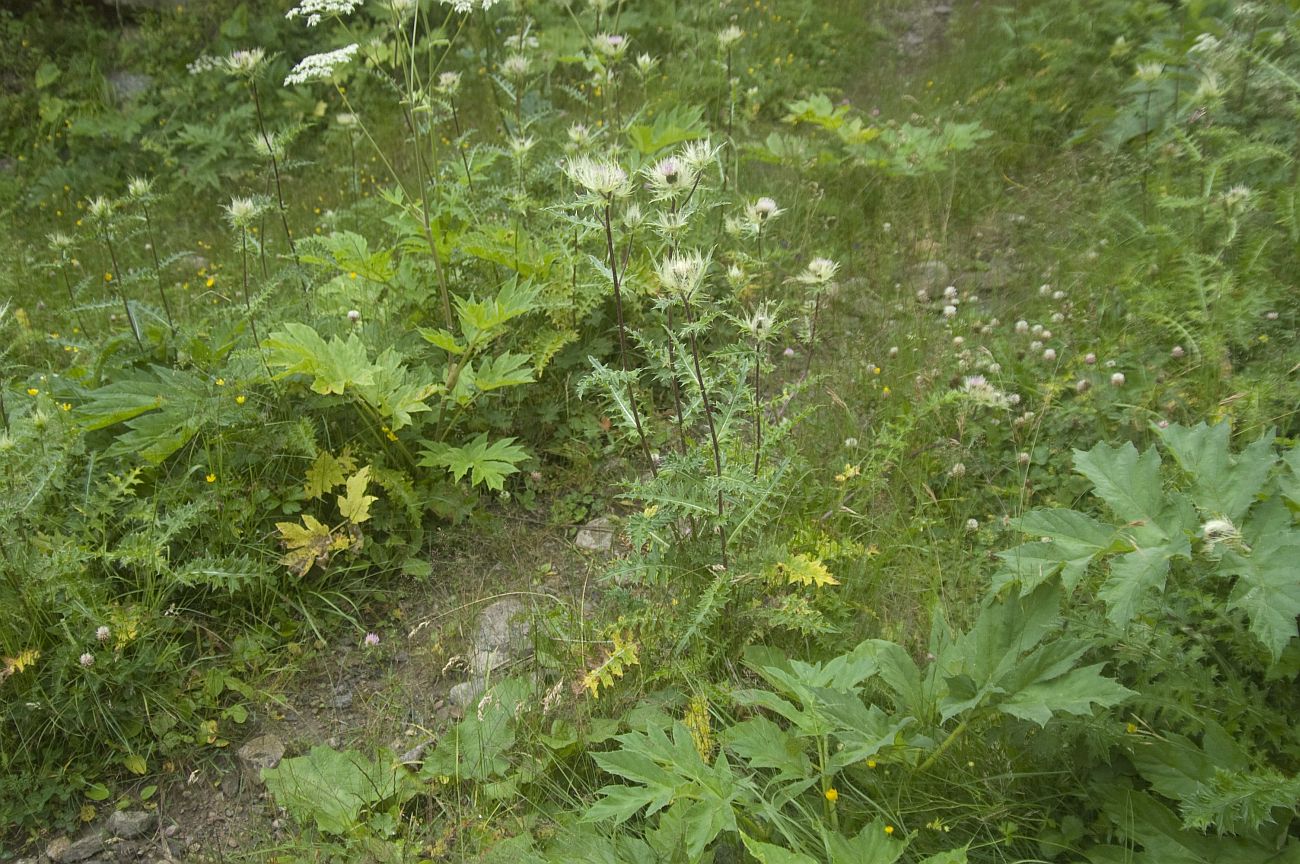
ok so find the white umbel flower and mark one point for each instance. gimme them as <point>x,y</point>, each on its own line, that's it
<point>314,10</point>
<point>321,67</point>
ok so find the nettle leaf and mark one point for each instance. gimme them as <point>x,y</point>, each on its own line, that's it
<point>1129,483</point>
<point>323,475</point>
<point>333,366</point>
<point>487,464</point>
<point>1223,484</point>
<point>355,505</point>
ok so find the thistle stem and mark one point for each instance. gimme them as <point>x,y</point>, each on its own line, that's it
<point>622,337</point>
<point>275,169</point>
<point>157,268</point>
<point>121,293</point>
<point>708,416</point>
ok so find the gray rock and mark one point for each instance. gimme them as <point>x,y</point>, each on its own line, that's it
<point>264,751</point>
<point>931,275</point>
<point>126,824</point>
<point>64,850</point>
<point>127,86</point>
<point>341,700</point>
<point>483,662</point>
<point>416,753</point>
<point>596,536</point>
<point>463,694</point>
<point>504,626</point>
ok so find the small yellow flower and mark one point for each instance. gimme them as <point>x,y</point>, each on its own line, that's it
<point>352,275</point>
<point>212,280</point>
<point>108,277</point>
<point>889,829</point>
<point>871,763</point>
<point>832,795</point>
<point>32,391</point>
<point>885,391</point>
<point>241,399</point>
<point>388,433</point>
<point>66,406</point>
<point>211,478</point>
<point>1131,728</point>
<point>221,382</point>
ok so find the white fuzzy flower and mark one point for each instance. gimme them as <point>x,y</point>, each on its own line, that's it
<point>950,311</point>
<point>972,525</point>
<point>314,10</point>
<point>1022,326</point>
<point>1117,380</point>
<point>729,36</point>
<point>87,660</point>
<point>1177,353</point>
<point>449,83</point>
<point>103,634</point>
<point>354,315</point>
<point>611,45</point>
<point>669,177</point>
<point>320,67</point>
<point>598,176</point>
<point>683,273</point>
<point>957,471</point>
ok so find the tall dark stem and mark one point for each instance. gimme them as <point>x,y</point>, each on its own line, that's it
<point>157,268</point>
<point>121,292</point>
<point>275,170</point>
<point>758,404</point>
<point>672,379</point>
<point>248,300</point>
<point>708,416</point>
<point>622,337</point>
<point>72,298</point>
<point>455,121</point>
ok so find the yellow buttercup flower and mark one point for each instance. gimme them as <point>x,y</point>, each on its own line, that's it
<point>32,391</point>
<point>889,829</point>
<point>832,795</point>
<point>108,277</point>
<point>211,478</point>
<point>241,399</point>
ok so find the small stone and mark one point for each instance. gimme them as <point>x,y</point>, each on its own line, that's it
<point>264,751</point>
<point>126,824</point>
<point>341,700</point>
<point>63,850</point>
<point>128,86</point>
<point>172,830</point>
<point>931,275</point>
<point>596,536</point>
<point>232,841</point>
<point>415,754</point>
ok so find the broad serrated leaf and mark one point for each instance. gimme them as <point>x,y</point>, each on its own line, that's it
<point>1223,484</point>
<point>306,544</point>
<point>355,505</point>
<point>333,366</point>
<point>763,744</point>
<point>1075,692</point>
<point>323,475</point>
<point>871,845</point>
<point>804,570</point>
<point>1268,587</point>
<point>487,464</point>
<point>767,853</point>
<point>1129,483</point>
<point>330,787</point>
<point>1133,576</point>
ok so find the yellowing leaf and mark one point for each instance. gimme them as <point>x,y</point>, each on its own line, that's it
<point>323,475</point>
<point>355,506</point>
<point>805,570</point>
<point>620,657</point>
<point>306,544</point>
<point>135,764</point>
<point>14,665</point>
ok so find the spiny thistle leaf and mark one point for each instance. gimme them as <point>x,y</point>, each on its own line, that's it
<point>620,657</point>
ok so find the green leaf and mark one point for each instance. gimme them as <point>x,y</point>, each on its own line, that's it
<point>1133,576</point>
<point>1223,484</point>
<point>443,339</point>
<point>486,464</point>
<point>333,366</point>
<point>97,792</point>
<point>330,787</point>
<point>871,845</point>
<point>1127,482</point>
<point>763,744</point>
<point>355,505</point>
<point>162,409</point>
<point>1073,693</point>
<point>135,764</point>
<point>1268,587</point>
<point>1075,540</point>
<point>766,853</point>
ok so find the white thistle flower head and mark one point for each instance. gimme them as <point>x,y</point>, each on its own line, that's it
<point>669,177</point>
<point>321,67</point>
<point>243,63</point>
<point>1236,198</point>
<point>819,271</point>
<point>520,145</point>
<point>347,119</point>
<point>670,225</point>
<point>633,216</point>
<point>242,212</point>
<point>599,177</point>
<point>729,36</point>
<point>139,188</point>
<point>645,64</point>
<point>736,276</point>
<point>950,293</point>
<point>610,45</point>
<point>449,83</point>
<point>315,10</point>
<point>699,154</point>
<point>59,242</point>
<point>759,324</point>
<point>100,208</point>
<point>1148,73</point>
<point>579,135</point>
<point>1210,89</point>
<point>268,146</point>
<point>763,210</point>
<point>516,66</point>
<point>1216,531</point>
<point>683,274</point>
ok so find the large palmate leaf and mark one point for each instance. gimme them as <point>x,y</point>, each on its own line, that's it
<point>332,788</point>
<point>1223,483</point>
<point>1129,483</point>
<point>1268,576</point>
<point>487,464</point>
<point>333,366</point>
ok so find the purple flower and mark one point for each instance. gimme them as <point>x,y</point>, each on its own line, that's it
<point>372,639</point>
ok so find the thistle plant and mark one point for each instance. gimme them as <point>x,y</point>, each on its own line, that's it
<point>140,191</point>
<point>240,214</point>
<point>818,278</point>
<point>61,245</point>
<point>102,216</point>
